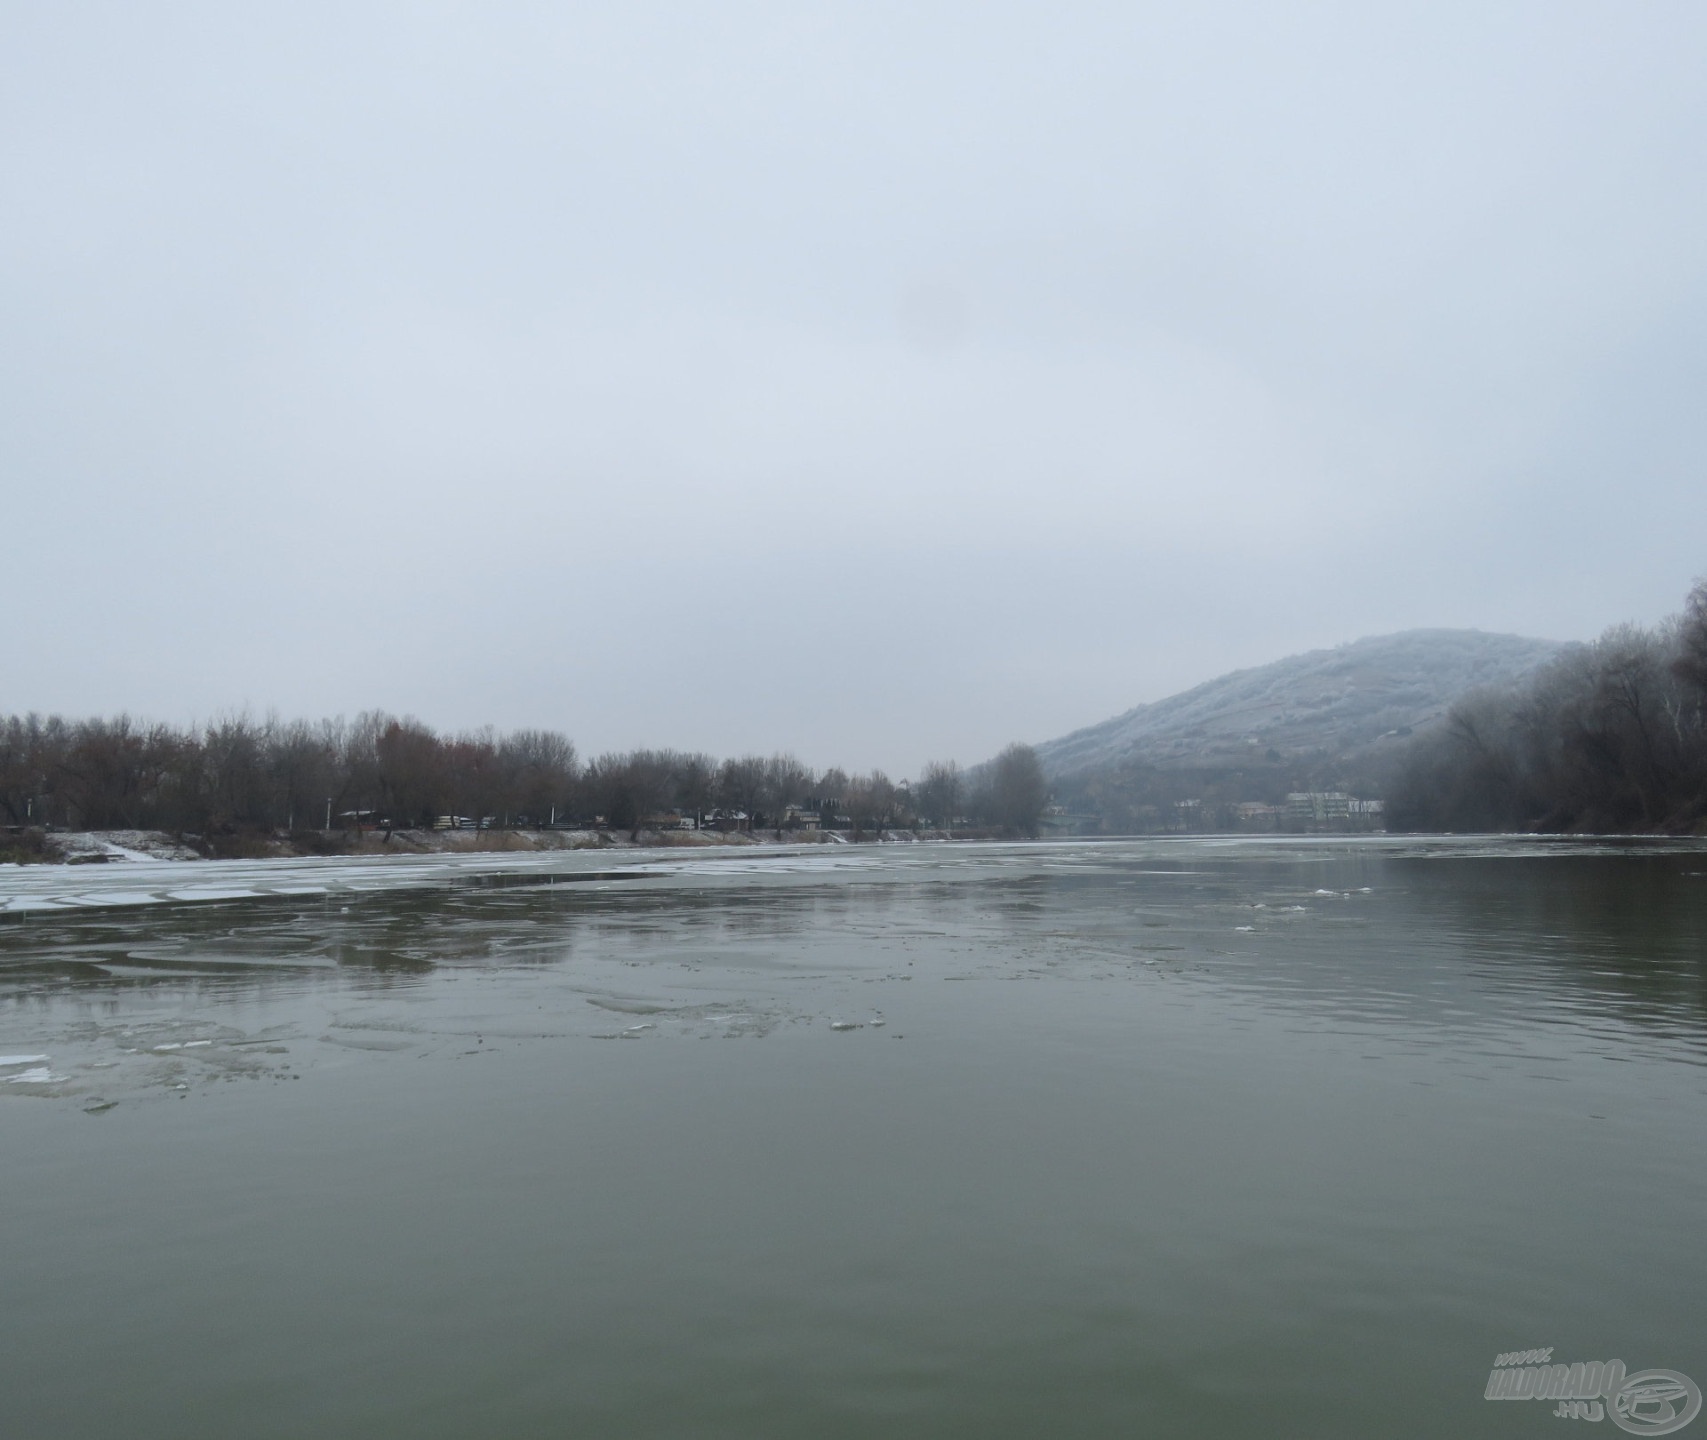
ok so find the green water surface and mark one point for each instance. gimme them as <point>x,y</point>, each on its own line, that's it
<point>1153,1138</point>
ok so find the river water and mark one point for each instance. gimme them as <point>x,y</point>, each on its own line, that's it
<point>1225,1138</point>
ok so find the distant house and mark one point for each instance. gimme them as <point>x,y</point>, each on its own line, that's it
<point>1255,815</point>
<point>727,820</point>
<point>1332,810</point>
<point>1368,815</point>
<point>800,817</point>
<point>1313,808</point>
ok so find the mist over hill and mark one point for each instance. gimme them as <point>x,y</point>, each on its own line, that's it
<point>1322,702</point>
<point>1331,719</point>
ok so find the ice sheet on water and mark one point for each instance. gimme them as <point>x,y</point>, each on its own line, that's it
<point>115,897</point>
<point>381,1043</point>
<point>214,892</point>
<point>180,881</point>
<point>8,1061</point>
<point>40,1075</point>
<point>628,1007</point>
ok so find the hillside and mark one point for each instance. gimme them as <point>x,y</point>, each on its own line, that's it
<point>1337,705</point>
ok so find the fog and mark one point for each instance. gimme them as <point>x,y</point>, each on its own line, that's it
<point>875,382</point>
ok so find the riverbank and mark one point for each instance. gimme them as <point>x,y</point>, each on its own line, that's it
<point>103,847</point>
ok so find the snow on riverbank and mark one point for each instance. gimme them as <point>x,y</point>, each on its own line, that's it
<point>86,847</point>
<point>39,890</point>
<point>97,846</point>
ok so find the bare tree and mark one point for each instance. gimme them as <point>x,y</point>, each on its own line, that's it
<point>1018,791</point>
<point>301,765</point>
<point>414,776</point>
<point>695,785</point>
<point>477,778</point>
<point>1691,662</point>
<point>628,789</point>
<point>872,803</point>
<point>938,793</point>
<point>832,794</point>
<point>743,787</point>
<point>787,782</point>
<point>538,768</point>
<point>1610,736</point>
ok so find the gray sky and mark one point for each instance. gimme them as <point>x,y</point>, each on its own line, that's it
<point>875,381</point>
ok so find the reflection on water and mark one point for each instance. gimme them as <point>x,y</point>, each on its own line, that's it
<point>1438,937</point>
<point>1245,1136</point>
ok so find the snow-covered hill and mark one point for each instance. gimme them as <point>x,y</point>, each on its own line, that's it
<point>1334,703</point>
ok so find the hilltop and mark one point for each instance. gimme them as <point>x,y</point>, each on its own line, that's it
<point>1323,702</point>
<point>1328,718</point>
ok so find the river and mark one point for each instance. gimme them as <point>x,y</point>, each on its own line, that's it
<point>1210,1137</point>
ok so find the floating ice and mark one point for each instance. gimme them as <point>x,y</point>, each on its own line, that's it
<point>7,1061</point>
<point>627,1007</point>
<point>113,897</point>
<point>214,892</point>
<point>41,1075</point>
<point>845,1025</point>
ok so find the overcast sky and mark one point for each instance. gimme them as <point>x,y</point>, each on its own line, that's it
<point>876,381</point>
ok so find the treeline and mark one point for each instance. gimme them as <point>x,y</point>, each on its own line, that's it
<point>245,774</point>
<point>1610,737</point>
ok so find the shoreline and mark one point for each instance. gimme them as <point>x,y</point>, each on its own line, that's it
<point>125,847</point>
